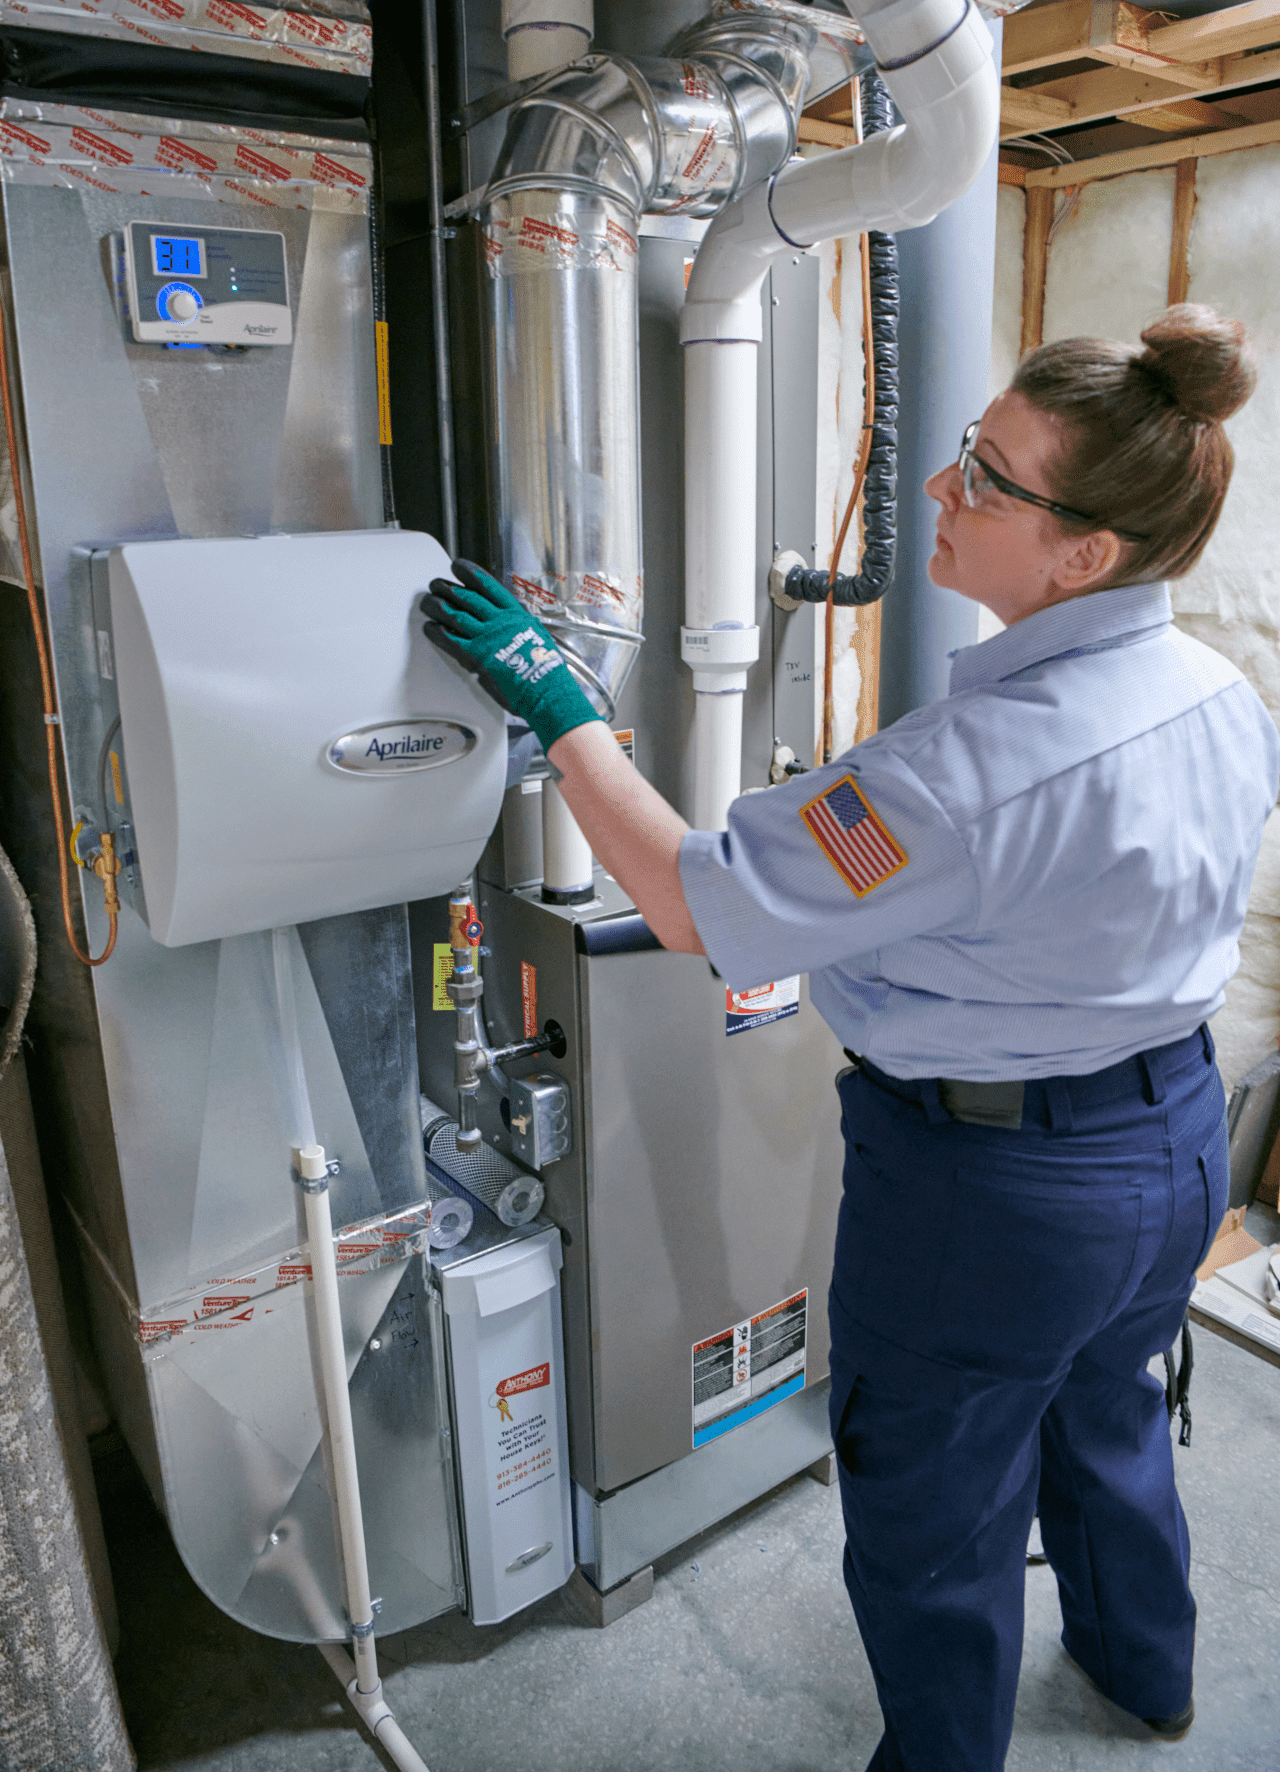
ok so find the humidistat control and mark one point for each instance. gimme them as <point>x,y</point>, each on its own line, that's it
<point>207,286</point>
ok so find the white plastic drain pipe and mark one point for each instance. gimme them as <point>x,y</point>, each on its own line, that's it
<point>934,57</point>
<point>364,1687</point>
<point>544,34</point>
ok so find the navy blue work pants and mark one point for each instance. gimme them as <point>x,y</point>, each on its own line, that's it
<point>996,1299</point>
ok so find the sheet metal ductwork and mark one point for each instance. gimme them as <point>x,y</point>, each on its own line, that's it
<point>586,154</point>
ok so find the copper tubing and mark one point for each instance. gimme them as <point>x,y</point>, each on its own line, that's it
<point>859,475</point>
<point>110,866</point>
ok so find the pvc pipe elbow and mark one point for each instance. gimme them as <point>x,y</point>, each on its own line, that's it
<point>900,31</point>
<point>950,97</point>
<point>722,301</point>
<point>902,178</point>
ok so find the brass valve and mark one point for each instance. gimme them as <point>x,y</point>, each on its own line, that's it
<point>106,865</point>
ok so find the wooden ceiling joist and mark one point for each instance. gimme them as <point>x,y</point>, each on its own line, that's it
<point>1218,33</point>
<point>1047,36</point>
<point>1147,159</point>
<point>1146,71</point>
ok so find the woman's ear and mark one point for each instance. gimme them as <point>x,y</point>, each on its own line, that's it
<point>1086,562</point>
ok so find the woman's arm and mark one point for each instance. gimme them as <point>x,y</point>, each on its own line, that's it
<point>630,827</point>
<point>637,836</point>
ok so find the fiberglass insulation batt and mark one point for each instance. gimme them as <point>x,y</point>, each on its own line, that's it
<point>1108,269</point>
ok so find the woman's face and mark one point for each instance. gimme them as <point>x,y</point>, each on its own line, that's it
<point>1012,556</point>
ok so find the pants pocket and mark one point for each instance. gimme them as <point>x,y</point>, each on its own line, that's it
<point>1034,1266</point>
<point>1213,1166</point>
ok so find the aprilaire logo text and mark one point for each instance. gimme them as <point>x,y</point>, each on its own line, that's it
<point>395,746</point>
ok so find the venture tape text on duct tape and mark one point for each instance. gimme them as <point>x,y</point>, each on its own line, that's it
<point>220,1302</point>
<point>226,27</point>
<point>224,168</point>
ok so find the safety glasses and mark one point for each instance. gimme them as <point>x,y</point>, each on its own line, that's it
<point>981,481</point>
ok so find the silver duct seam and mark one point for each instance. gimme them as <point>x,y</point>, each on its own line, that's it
<point>585,155</point>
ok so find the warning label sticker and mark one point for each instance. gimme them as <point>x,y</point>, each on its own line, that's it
<point>749,1367</point>
<point>761,1004</point>
<point>441,973</point>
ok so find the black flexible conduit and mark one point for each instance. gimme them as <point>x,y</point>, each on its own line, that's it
<point>880,496</point>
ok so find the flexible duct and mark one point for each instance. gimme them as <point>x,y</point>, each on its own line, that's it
<point>934,57</point>
<point>880,493</point>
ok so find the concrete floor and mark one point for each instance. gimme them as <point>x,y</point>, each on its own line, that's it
<point>745,1660</point>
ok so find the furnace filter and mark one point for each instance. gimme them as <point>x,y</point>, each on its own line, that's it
<point>485,1173</point>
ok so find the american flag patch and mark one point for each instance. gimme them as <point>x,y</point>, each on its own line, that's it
<point>845,827</point>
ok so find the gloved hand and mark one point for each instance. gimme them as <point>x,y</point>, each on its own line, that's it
<point>481,625</point>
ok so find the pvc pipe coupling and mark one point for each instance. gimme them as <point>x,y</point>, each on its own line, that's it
<point>720,657</point>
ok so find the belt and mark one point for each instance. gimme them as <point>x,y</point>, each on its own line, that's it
<point>1043,1100</point>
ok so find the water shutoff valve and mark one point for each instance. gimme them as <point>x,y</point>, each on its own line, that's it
<point>541,1120</point>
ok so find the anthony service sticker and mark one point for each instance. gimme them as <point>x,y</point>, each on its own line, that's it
<point>518,1435</point>
<point>761,1004</point>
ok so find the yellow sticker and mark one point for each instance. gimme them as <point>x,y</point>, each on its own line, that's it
<point>116,781</point>
<point>441,973</point>
<point>380,339</point>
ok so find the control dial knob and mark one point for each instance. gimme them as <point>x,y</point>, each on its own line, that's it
<point>178,301</point>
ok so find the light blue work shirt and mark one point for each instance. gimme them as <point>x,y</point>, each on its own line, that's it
<point>1080,819</point>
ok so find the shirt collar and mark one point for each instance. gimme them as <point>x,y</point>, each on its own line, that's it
<point>1100,619</point>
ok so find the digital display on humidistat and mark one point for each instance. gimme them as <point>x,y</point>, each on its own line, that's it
<point>174,256</point>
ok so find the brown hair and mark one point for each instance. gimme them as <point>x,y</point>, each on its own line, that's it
<point>1144,451</point>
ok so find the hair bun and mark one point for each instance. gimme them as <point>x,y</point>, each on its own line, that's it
<point>1202,362</point>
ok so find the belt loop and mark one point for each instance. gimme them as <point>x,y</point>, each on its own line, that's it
<point>1154,1090</point>
<point>1206,1042</point>
<point>931,1102</point>
<point>1057,1095</point>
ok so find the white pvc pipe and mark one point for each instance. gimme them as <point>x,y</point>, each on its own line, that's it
<point>720,640</point>
<point>566,853</point>
<point>720,484</point>
<point>364,1688</point>
<point>332,1356</point>
<point>935,59</point>
<point>717,739</point>
<point>542,35</point>
<point>902,178</point>
<point>374,1712</point>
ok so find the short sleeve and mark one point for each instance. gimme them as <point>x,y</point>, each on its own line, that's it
<point>829,866</point>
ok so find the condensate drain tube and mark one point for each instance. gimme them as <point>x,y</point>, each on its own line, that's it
<point>311,1172</point>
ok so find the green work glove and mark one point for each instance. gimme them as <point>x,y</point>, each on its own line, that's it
<point>481,625</point>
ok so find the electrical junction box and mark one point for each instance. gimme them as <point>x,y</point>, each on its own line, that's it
<point>294,746</point>
<point>541,1120</point>
<point>207,286</point>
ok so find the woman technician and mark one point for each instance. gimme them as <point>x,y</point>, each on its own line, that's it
<point>1019,905</point>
